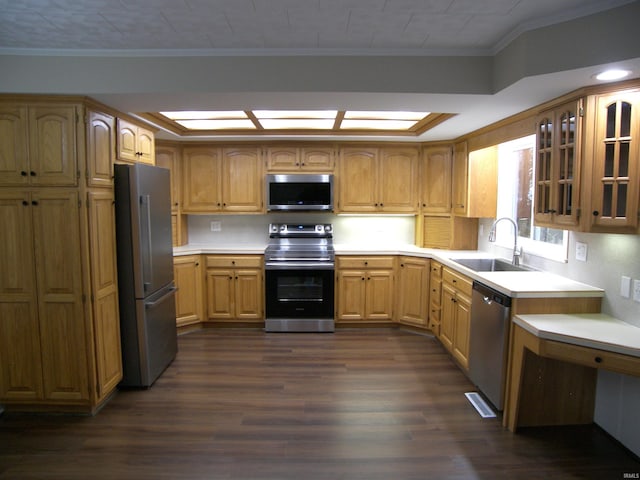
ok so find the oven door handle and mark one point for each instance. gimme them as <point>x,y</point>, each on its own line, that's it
<point>299,265</point>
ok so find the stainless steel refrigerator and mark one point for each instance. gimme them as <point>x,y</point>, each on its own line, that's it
<point>145,273</point>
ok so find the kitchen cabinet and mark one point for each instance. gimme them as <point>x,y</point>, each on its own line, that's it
<point>447,232</point>
<point>235,288</point>
<point>38,145</point>
<point>104,285</point>
<point>135,143</point>
<point>222,180</point>
<point>242,182</point>
<point>455,322</point>
<point>317,159</point>
<point>475,181</point>
<point>188,277</point>
<point>169,156</point>
<point>382,180</point>
<point>101,142</point>
<point>435,179</point>
<point>616,159</point>
<point>435,296</point>
<point>413,291</point>
<point>59,318</point>
<point>43,355</point>
<point>558,166</point>
<point>365,288</point>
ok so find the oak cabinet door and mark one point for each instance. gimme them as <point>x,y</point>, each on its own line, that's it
<point>14,160</point>
<point>100,150</point>
<point>242,180</point>
<point>202,169</point>
<point>59,273</point>
<point>358,180</point>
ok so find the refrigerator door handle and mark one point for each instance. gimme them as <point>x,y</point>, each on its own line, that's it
<point>147,269</point>
<point>170,291</point>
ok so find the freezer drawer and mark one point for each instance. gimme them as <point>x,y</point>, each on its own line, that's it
<point>149,340</point>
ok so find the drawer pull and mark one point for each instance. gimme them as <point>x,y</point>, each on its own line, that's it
<point>598,359</point>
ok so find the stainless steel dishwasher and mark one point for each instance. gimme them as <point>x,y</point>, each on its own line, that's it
<point>490,317</point>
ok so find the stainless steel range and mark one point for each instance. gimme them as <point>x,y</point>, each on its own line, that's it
<point>299,271</point>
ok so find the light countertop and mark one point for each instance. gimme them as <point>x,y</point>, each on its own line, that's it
<point>529,284</point>
<point>593,330</point>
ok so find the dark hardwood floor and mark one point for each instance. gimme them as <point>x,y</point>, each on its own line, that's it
<point>367,404</point>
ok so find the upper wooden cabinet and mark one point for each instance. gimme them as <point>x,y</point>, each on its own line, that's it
<point>222,180</point>
<point>135,143</point>
<point>38,145</point>
<point>101,141</point>
<point>475,181</point>
<point>382,180</point>
<point>242,182</point>
<point>300,159</point>
<point>616,159</point>
<point>168,156</point>
<point>558,166</point>
<point>435,179</point>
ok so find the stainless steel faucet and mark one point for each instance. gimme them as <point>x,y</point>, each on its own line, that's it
<point>492,238</point>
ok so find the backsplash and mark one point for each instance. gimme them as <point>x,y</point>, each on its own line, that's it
<point>251,230</point>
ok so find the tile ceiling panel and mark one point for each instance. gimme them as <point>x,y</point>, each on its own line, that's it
<point>467,26</point>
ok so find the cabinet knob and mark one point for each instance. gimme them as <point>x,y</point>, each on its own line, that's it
<point>366,263</point>
<point>598,359</point>
<point>363,278</point>
<point>596,213</point>
<point>34,202</point>
<point>25,203</point>
<point>23,173</point>
<point>402,264</point>
<point>32,173</point>
<point>552,210</point>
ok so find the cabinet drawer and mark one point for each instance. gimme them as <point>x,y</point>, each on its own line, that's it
<point>592,357</point>
<point>460,282</point>
<point>365,262</point>
<point>436,270</point>
<point>228,261</point>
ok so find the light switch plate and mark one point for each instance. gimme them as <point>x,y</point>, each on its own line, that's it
<point>625,287</point>
<point>581,252</point>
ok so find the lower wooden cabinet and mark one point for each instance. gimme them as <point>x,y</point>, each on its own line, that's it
<point>365,289</point>
<point>413,291</point>
<point>455,321</point>
<point>187,273</point>
<point>235,288</point>
<point>59,323</point>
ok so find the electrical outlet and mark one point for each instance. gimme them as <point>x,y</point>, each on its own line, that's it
<point>636,290</point>
<point>216,226</point>
<point>625,287</point>
<point>581,251</point>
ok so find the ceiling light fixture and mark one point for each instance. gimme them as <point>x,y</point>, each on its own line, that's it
<point>610,75</point>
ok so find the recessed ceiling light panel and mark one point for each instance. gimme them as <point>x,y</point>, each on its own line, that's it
<point>227,124</point>
<point>373,115</point>
<point>614,74</point>
<point>328,114</point>
<point>201,115</point>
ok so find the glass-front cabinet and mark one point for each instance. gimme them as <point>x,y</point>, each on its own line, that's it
<point>557,168</point>
<point>614,201</point>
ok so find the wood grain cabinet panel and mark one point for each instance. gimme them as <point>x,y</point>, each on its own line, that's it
<point>38,145</point>
<point>413,291</point>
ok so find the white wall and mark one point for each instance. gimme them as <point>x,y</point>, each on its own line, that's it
<point>609,257</point>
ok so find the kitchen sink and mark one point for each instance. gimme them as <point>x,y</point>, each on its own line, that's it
<point>490,265</point>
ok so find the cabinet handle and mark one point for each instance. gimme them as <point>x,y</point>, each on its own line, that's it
<point>596,213</point>
<point>25,203</point>
<point>23,173</point>
<point>34,202</point>
<point>32,173</point>
<point>598,359</point>
<point>454,281</point>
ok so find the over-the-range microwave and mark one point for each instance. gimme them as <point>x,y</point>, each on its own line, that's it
<point>299,192</point>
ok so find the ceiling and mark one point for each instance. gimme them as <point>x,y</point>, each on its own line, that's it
<point>449,33</point>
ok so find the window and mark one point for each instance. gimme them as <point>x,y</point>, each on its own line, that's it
<point>515,200</point>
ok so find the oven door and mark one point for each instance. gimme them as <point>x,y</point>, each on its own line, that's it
<point>299,293</point>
